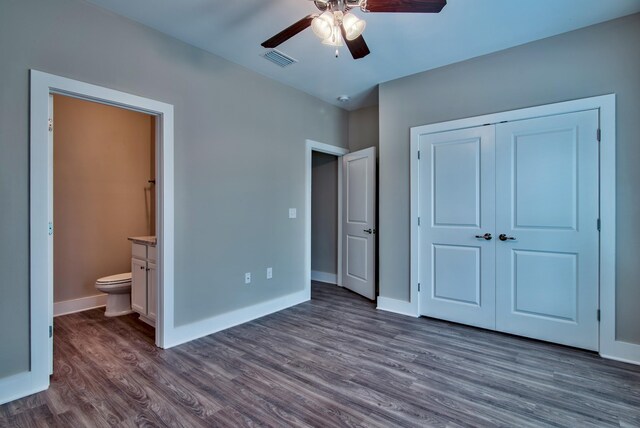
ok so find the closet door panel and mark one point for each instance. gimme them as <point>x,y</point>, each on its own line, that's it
<point>457,202</point>
<point>546,214</point>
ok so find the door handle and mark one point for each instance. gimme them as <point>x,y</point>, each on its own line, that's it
<point>504,237</point>
<point>486,236</point>
<point>369,231</point>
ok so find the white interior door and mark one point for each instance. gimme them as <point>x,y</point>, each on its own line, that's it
<point>359,222</point>
<point>457,214</point>
<point>547,210</point>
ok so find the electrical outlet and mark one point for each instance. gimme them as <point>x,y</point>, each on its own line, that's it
<point>293,213</point>
<point>247,278</point>
<point>269,273</point>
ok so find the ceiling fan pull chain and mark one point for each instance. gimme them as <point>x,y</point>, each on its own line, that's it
<point>337,53</point>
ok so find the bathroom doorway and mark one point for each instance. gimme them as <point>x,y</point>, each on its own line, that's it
<point>43,87</point>
<point>103,195</point>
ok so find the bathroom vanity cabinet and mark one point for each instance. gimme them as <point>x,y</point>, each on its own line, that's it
<point>144,278</point>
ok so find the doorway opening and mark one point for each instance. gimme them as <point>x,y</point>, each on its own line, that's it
<point>104,209</point>
<point>324,219</point>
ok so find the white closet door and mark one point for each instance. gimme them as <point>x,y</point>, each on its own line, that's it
<point>457,208</point>
<point>547,209</point>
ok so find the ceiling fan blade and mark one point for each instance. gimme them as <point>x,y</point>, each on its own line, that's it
<point>358,47</point>
<point>288,32</point>
<point>405,6</point>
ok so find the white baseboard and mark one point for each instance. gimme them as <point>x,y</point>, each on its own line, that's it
<point>621,351</point>
<point>329,278</point>
<point>21,385</point>
<point>189,332</point>
<point>78,305</point>
<point>401,307</point>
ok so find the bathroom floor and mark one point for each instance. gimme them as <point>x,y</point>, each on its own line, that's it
<point>333,361</point>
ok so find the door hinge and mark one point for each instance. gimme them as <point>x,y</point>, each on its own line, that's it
<point>598,315</point>
<point>418,221</point>
<point>50,228</point>
<point>418,287</point>
<point>50,331</point>
<point>50,124</point>
<point>598,134</point>
<point>598,224</point>
<point>418,154</point>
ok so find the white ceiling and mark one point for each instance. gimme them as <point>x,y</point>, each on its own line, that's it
<point>401,44</point>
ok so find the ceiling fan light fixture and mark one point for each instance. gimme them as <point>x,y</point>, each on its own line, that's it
<point>322,25</point>
<point>335,39</point>
<point>353,26</point>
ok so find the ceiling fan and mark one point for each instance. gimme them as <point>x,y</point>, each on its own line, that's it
<point>337,24</point>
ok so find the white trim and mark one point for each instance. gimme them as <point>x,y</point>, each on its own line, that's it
<point>414,213</point>
<point>401,307</point>
<point>41,300</point>
<point>339,219</point>
<point>51,219</point>
<point>326,277</point>
<point>227,320</point>
<point>314,146</point>
<point>20,385</point>
<point>609,346</point>
<point>623,360</point>
<point>67,307</point>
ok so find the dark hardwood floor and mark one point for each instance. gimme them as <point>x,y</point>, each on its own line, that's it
<point>333,361</point>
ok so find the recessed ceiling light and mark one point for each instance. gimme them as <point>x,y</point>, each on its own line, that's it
<point>343,98</point>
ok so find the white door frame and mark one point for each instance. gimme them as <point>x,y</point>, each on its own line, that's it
<point>606,104</point>
<point>41,257</point>
<point>314,146</point>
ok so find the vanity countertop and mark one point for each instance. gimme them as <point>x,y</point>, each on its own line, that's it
<point>144,240</point>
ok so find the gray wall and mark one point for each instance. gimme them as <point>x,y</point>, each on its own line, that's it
<point>593,61</point>
<point>324,213</point>
<point>364,129</point>
<point>239,156</point>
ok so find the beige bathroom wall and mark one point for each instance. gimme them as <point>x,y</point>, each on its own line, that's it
<point>101,191</point>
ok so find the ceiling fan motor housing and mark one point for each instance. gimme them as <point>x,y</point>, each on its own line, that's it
<point>337,5</point>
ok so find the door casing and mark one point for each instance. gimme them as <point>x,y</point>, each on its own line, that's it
<point>310,147</point>
<point>42,85</point>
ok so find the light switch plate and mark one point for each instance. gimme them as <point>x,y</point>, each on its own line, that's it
<point>293,213</point>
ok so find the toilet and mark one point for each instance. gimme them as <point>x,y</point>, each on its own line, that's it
<point>118,290</point>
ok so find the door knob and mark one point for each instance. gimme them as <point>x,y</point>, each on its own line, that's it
<point>486,236</point>
<point>369,231</point>
<point>504,237</point>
